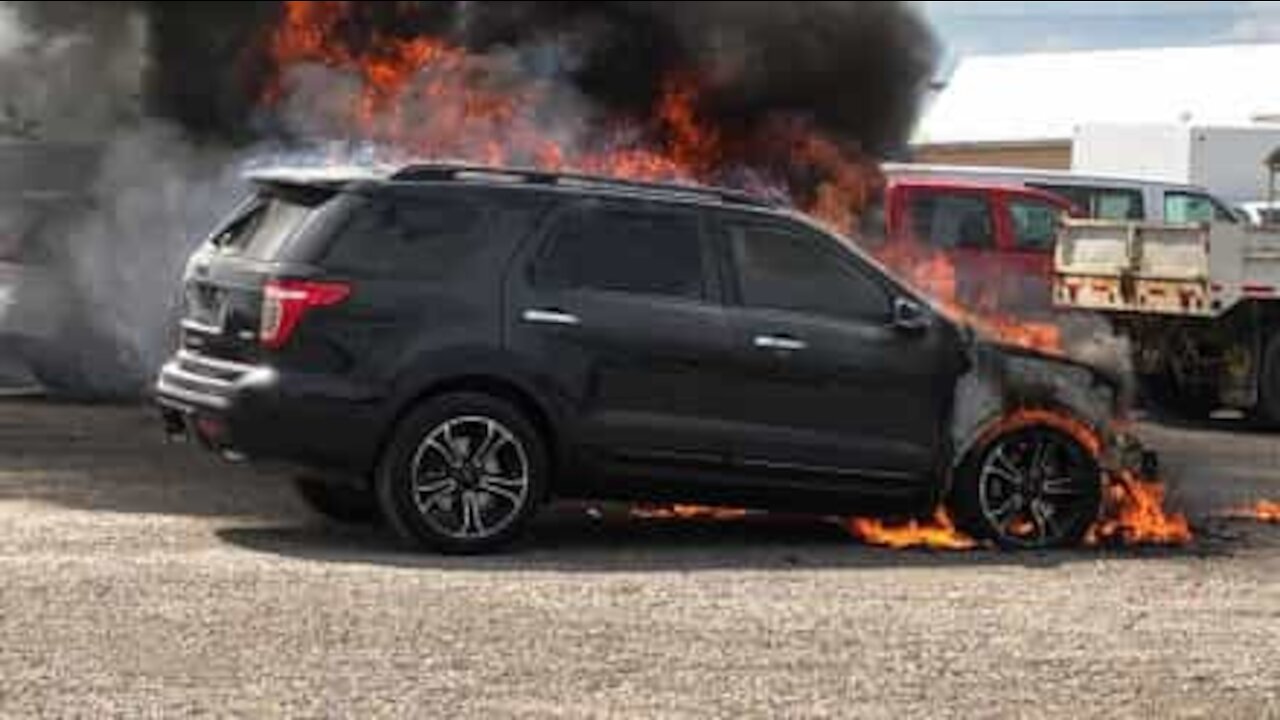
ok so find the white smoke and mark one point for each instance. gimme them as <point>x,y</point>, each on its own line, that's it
<point>109,203</point>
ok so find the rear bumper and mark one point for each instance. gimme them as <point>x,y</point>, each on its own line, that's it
<point>256,413</point>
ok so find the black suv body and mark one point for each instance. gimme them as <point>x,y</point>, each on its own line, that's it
<point>453,345</point>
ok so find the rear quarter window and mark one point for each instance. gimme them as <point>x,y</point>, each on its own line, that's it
<point>419,236</point>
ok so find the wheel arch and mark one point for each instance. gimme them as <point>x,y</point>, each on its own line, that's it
<point>1055,416</point>
<point>504,386</point>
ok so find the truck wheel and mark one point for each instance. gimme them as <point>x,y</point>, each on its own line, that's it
<point>340,503</point>
<point>1267,411</point>
<point>1031,487</point>
<point>463,474</point>
<point>1163,394</point>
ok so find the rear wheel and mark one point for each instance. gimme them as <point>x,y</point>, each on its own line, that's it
<point>1031,487</point>
<point>347,505</point>
<point>463,474</point>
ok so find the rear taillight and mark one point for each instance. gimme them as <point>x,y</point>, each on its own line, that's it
<point>285,302</point>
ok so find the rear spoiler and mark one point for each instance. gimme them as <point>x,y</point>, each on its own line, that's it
<point>328,177</point>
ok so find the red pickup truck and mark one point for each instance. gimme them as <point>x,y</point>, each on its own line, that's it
<point>986,246</point>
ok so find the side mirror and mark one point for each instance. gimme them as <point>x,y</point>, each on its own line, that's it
<point>909,315</point>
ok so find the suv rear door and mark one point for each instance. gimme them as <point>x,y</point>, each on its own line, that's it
<point>617,306</point>
<point>825,386</point>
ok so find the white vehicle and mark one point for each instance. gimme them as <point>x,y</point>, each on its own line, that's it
<point>1260,212</point>
<point>1097,196</point>
<point>1229,160</point>
<point>1200,303</point>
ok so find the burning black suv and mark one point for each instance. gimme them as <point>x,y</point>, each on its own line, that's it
<point>449,347</point>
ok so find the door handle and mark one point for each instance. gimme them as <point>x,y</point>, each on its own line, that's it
<point>779,342</point>
<point>550,317</point>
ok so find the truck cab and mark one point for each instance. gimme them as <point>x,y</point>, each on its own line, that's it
<point>986,246</point>
<point>1098,196</point>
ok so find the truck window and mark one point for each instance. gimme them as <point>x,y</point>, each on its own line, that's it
<point>1034,224</point>
<point>1181,206</point>
<point>948,219</point>
<point>1104,203</point>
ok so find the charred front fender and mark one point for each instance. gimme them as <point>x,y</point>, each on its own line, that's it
<point>1003,381</point>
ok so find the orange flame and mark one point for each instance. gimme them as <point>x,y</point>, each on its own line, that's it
<point>426,97</point>
<point>687,512</point>
<point>930,271</point>
<point>939,533</point>
<point>1132,507</point>
<point>1132,510</point>
<point>1263,510</point>
<point>1133,514</point>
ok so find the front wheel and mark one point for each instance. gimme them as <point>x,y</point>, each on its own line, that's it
<point>1030,487</point>
<point>463,474</point>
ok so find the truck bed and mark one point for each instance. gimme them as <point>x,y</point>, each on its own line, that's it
<point>1192,270</point>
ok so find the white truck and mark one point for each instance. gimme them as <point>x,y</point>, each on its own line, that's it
<point>1229,161</point>
<point>1199,302</point>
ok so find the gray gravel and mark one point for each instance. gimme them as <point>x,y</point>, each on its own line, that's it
<point>144,579</point>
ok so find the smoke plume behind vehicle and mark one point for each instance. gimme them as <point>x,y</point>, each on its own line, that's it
<point>180,96</point>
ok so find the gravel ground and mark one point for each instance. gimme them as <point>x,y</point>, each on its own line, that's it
<point>145,579</point>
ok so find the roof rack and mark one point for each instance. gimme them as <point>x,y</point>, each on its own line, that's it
<point>435,172</point>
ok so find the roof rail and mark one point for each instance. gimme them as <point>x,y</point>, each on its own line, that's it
<point>435,172</point>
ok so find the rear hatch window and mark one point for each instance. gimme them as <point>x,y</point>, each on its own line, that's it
<point>263,227</point>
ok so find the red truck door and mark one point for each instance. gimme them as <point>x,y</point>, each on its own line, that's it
<point>958,222</point>
<point>1027,225</point>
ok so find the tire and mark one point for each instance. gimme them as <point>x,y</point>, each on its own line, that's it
<point>482,469</point>
<point>1267,411</point>
<point>996,495</point>
<point>1162,394</point>
<point>340,503</point>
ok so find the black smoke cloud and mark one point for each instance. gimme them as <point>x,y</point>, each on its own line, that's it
<point>855,70</point>
<point>164,97</point>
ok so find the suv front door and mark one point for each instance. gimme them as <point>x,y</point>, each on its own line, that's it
<point>826,387</point>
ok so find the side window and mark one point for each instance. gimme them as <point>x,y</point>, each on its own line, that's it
<point>1104,203</point>
<point>1118,205</point>
<point>624,250</point>
<point>1191,207</point>
<point>425,237</point>
<point>784,270</point>
<point>950,219</point>
<point>1035,224</point>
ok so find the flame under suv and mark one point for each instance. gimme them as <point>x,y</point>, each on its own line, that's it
<point>448,347</point>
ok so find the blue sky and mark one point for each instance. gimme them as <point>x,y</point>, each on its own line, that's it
<point>1002,27</point>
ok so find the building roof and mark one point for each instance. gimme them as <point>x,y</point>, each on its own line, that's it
<point>1044,96</point>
